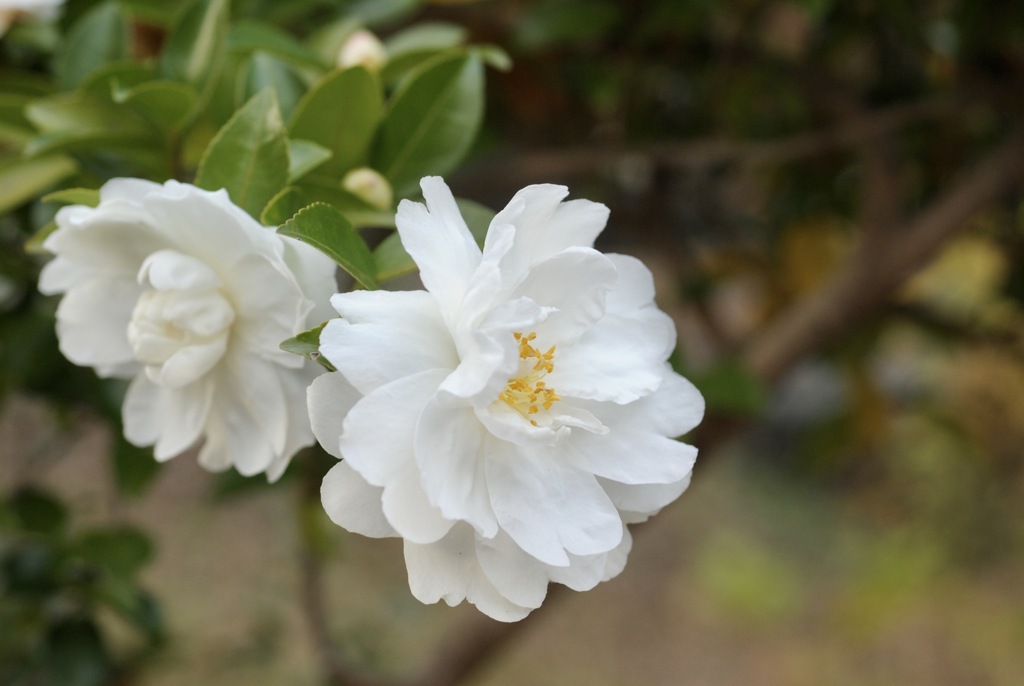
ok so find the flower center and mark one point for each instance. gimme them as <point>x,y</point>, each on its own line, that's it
<point>528,393</point>
<point>180,334</point>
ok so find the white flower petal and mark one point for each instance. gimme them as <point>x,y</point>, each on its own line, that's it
<point>643,500</point>
<point>585,572</point>
<point>635,287</point>
<point>575,309</point>
<point>545,226</point>
<point>92,325</point>
<point>378,433</point>
<point>189,364</point>
<point>407,509</point>
<point>183,416</point>
<point>384,336</point>
<point>449,453</point>
<point>127,191</point>
<point>634,457</point>
<point>517,576</point>
<point>169,269</point>
<point>60,274</point>
<point>329,399</point>
<point>619,360</point>
<point>547,507</point>
<point>269,306</point>
<point>448,570</point>
<point>141,412</point>
<point>113,241</point>
<point>352,503</point>
<point>437,239</point>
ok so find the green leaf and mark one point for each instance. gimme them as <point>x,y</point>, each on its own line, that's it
<point>120,552</point>
<point>265,70</point>
<point>410,48</point>
<point>391,259</point>
<point>23,179</point>
<point>74,196</point>
<point>327,230</point>
<point>249,155</point>
<point>356,210</point>
<point>255,36</point>
<point>340,112</point>
<point>104,81</point>
<point>134,467</point>
<point>307,344</point>
<point>82,111</point>
<point>305,157</point>
<point>168,105</point>
<point>38,512</point>
<point>432,122</point>
<point>97,38</point>
<point>284,206</point>
<point>197,42</point>
<point>494,56</point>
<point>34,245</point>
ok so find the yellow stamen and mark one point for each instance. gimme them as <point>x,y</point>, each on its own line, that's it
<point>528,393</point>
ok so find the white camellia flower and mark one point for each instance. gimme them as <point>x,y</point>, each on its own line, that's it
<point>510,420</point>
<point>184,293</point>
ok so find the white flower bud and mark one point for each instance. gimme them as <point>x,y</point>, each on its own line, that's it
<point>362,48</point>
<point>369,185</point>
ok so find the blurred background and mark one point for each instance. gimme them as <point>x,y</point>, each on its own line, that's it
<point>829,194</point>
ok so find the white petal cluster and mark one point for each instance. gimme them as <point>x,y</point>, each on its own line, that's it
<point>509,421</point>
<point>185,294</point>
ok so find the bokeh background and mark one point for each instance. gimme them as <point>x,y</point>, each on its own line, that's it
<point>829,194</point>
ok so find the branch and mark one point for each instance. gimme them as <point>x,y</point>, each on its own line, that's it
<point>464,655</point>
<point>867,281</point>
<point>567,163</point>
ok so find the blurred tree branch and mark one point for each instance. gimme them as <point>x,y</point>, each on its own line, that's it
<point>882,263</point>
<point>855,130</point>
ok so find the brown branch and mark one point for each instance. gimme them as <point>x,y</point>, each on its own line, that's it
<point>871,276</point>
<point>566,163</point>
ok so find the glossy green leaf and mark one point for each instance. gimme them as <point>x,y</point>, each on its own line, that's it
<point>104,81</point>
<point>197,42</point>
<point>168,105</point>
<point>23,179</point>
<point>327,230</point>
<point>264,70</point>
<point>253,36</point>
<point>98,37</point>
<point>284,206</point>
<point>305,157</point>
<point>81,141</point>
<point>81,111</point>
<point>249,155</point>
<point>411,47</point>
<point>89,197</point>
<point>392,260</point>
<point>307,344</point>
<point>432,122</point>
<point>340,112</point>
<point>356,210</point>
